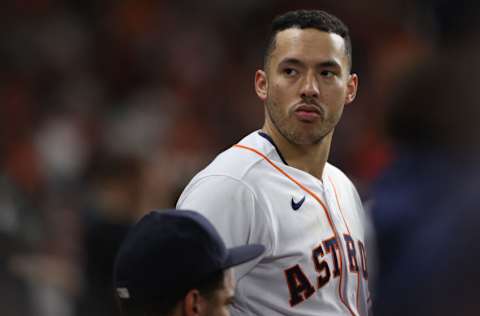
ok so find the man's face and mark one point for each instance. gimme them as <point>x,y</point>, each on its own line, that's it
<point>306,84</point>
<point>222,299</point>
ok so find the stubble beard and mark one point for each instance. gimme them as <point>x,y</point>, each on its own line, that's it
<point>293,131</point>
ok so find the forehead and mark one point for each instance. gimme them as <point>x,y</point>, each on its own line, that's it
<point>309,45</point>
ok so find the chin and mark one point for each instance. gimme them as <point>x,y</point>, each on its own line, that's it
<point>303,137</point>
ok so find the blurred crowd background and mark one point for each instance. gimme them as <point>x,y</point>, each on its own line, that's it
<point>107,108</point>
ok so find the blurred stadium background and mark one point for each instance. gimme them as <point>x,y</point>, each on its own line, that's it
<point>108,107</point>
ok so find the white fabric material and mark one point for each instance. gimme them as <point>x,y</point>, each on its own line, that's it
<point>249,201</point>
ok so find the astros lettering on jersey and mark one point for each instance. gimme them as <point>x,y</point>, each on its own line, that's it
<point>315,262</point>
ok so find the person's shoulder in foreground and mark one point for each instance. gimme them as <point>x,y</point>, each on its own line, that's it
<point>175,263</point>
<point>276,188</point>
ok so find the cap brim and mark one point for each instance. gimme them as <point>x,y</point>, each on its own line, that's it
<point>242,254</point>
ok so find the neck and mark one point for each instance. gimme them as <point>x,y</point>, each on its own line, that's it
<point>309,158</point>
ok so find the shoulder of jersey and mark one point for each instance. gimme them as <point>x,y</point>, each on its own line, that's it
<point>337,175</point>
<point>237,162</point>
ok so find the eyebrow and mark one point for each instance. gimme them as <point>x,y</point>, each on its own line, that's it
<point>327,63</point>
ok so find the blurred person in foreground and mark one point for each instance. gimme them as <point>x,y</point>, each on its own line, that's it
<point>175,263</point>
<point>427,203</point>
<point>276,188</point>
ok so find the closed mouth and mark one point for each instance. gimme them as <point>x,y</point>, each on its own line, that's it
<point>308,107</point>
<point>308,111</point>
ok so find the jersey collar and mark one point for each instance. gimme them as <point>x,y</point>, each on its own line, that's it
<point>267,137</point>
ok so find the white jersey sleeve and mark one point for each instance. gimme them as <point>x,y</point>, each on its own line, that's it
<point>232,208</point>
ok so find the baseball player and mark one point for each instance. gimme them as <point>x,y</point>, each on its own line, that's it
<point>176,264</point>
<point>276,188</point>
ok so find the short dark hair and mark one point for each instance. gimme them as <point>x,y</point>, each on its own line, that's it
<point>165,305</point>
<point>304,19</point>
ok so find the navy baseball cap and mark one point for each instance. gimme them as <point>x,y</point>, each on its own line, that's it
<point>171,251</point>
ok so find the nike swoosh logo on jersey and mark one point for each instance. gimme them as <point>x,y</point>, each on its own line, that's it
<point>297,205</point>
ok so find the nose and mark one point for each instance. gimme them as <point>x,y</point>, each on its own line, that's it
<point>309,87</point>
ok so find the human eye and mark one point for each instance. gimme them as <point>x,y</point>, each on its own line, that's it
<point>327,73</point>
<point>290,72</point>
<point>229,301</point>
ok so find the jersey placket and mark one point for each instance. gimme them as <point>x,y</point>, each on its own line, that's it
<point>339,229</point>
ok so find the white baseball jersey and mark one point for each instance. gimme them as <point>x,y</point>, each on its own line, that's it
<point>315,262</point>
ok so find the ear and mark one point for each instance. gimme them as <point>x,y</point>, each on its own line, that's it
<point>352,85</point>
<point>261,84</point>
<point>193,303</point>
